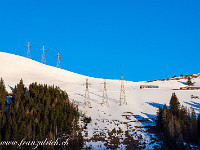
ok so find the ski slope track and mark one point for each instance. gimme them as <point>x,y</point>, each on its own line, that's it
<point>110,125</point>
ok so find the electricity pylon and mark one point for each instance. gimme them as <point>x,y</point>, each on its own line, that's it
<point>105,96</point>
<point>122,99</point>
<point>43,55</point>
<point>87,97</point>
<point>58,60</point>
<point>28,55</point>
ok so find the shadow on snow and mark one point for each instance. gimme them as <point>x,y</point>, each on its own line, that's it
<point>185,83</point>
<point>194,105</point>
<point>156,105</point>
<point>94,100</point>
<point>110,99</point>
<point>11,87</point>
<point>150,116</point>
<point>145,121</point>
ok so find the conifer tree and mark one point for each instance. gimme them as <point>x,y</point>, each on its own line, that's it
<point>189,82</point>
<point>174,105</point>
<point>198,127</point>
<point>3,94</point>
<point>41,112</point>
<point>178,124</point>
<point>194,131</point>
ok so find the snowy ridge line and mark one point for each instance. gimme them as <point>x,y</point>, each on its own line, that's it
<point>113,121</point>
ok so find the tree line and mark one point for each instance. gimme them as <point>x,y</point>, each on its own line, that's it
<point>37,113</point>
<point>179,125</point>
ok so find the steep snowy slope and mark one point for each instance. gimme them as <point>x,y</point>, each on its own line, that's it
<point>140,111</point>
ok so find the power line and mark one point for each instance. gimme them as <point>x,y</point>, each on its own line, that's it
<point>28,55</point>
<point>43,55</point>
<point>58,60</point>
<point>87,97</point>
<point>43,60</point>
<point>105,96</point>
<point>122,99</point>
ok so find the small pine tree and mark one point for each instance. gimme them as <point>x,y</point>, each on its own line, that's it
<point>174,105</point>
<point>189,82</point>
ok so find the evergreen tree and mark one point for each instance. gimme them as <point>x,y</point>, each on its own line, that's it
<point>198,127</point>
<point>174,105</point>
<point>41,112</point>
<point>178,124</point>
<point>194,130</point>
<point>3,95</point>
<point>189,82</point>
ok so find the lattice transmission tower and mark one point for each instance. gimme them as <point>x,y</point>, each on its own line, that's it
<point>105,96</point>
<point>28,55</point>
<point>43,55</point>
<point>122,99</point>
<point>87,96</point>
<point>58,60</point>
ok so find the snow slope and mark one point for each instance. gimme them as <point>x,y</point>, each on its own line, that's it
<point>140,111</point>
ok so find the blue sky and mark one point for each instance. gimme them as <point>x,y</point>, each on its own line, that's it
<point>143,39</point>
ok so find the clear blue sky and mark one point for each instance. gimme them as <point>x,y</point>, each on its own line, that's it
<point>142,39</point>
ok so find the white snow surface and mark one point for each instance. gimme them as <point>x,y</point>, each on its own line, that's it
<point>142,103</point>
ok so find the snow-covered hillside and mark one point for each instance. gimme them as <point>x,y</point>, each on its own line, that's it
<point>129,121</point>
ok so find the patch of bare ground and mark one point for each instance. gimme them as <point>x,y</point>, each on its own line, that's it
<point>131,138</point>
<point>131,143</point>
<point>178,78</point>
